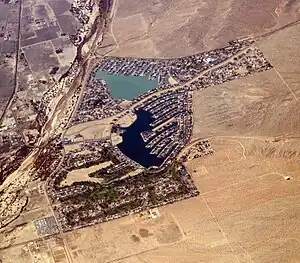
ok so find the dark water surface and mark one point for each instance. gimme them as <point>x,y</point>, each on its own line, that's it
<point>133,145</point>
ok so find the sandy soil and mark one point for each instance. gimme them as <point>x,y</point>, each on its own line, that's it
<point>172,81</point>
<point>259,105</point>
<point>123,237</point>
<point>281,49</point>
<point>82,175</point>
<point>248,209</point>
<point>91,130</point>
<point>127,119</point>
<point>179,28</point>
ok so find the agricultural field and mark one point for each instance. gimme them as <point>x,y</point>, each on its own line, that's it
<point>41,57</point>
<point>82,187</point>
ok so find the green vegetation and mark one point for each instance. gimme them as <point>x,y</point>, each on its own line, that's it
<point>107,193</point>
<point>103,173</point>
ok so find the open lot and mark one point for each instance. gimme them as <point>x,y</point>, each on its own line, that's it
<point>82,175</point>
<point>22,230</point>
<point>281,50</point>
<point>38,251</point>
<point>258,105</point>
<point>91,130</point>
<point>123,24</point>
<point>41,57</point>
<point>265,104</point>
<point>6,82</point>
<point>68,54</point>
<point>121,238</point>
<point>247,210</point>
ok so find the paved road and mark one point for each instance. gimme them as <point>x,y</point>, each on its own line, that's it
<point>16,65</point>
<point>171,88</point>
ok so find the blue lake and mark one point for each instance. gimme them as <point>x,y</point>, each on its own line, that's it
<point>126,87</point>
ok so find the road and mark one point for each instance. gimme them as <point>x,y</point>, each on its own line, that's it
<point>80,80</point>
<point>50,126</point>
<point>15,85</point>
<point>172,88</point>
<point>21,176</point>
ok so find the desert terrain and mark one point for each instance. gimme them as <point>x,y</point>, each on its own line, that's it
<point>180,28</point>
<point>248,209</point>
<point>247,212</point>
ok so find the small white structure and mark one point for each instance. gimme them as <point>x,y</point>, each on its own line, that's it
<point>154,213</point>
